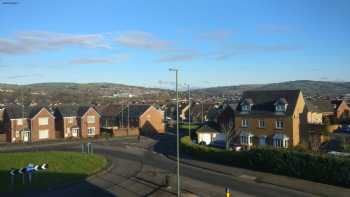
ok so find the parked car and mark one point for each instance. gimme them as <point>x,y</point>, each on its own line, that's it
<point>236,147</point>
<point>345,129</point>
<point>218,144</point>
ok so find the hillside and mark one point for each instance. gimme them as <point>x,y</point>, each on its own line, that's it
<point>53,93</point>
<point>309,88</point>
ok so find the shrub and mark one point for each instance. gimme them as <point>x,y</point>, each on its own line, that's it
<point>306,165</point>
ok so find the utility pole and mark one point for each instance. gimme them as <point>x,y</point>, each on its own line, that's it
<point>177,133</point>
<point>128,117</point>
<point>122,125</point>
<point>202,114</point>
<point>189,111</point>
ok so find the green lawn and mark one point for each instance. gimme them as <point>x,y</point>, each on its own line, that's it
<point>64,167</point>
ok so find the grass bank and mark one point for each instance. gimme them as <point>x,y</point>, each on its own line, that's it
<point>64,167</point>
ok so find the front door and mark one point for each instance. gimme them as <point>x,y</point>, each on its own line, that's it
<point>75,132</point>
<point>25,136</point>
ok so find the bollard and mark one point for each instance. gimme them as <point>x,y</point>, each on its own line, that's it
<point>88,147</point>
<point>30,177</point>
<point>12,182</point>
<point>227,192</point>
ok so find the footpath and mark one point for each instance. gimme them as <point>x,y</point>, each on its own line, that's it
<point>268,178</point>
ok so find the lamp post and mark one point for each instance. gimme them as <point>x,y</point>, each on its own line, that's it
<point>177,132</point>
<point>189,111</point>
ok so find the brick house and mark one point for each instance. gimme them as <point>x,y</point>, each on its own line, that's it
<point>341,110</point>
<point>90,123</point>
<point>109,115</point>
<point>145,117</point>
<point>29,124</point>
<point>75,121</point>
<point>271,117</point>
<point>327,112</point>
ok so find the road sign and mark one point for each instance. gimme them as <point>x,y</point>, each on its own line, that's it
<point>29,169</point>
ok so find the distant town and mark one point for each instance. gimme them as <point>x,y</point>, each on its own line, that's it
<point>265,115</point>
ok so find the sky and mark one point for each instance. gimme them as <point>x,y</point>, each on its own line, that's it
<point>212,43</point>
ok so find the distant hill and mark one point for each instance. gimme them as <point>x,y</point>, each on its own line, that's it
<point>309,88</point>
<point>88,93</point>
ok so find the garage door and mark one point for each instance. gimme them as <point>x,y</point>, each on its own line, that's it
<point>43,134</point>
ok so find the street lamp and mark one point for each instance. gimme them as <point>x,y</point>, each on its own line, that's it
<point>177,131</point>
<point>189,110</point>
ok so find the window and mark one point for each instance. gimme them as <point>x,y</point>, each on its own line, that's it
<point>246,139</point>
<point>244,123</point>
<point>75,132</point>
<point>91,119</point>
<point>91,131</point>
<point>279,124</point>
<point>261,123</point>
<point>44,121</point>
<point>280,141</point>
<point>280,108</point>
<point>17,134</point>
<point>70,120</point>
<point>262,140</point>
<point>43,134</point>
<point>245,108</point>
<point>20,122</point>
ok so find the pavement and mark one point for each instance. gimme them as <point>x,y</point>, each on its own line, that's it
<point>139,169</point>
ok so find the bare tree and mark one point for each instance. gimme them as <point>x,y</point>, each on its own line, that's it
<point>315,141</point>
<point>228,127</point>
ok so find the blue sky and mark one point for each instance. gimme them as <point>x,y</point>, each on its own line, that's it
<point>213,43</point>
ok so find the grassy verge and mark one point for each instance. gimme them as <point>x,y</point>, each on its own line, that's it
<point>310,166</point>
<point>64,167</point>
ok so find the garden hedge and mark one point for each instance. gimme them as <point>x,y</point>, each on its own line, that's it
<point>310,166</point>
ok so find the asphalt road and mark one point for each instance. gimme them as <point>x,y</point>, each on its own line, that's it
<point>133,163</point>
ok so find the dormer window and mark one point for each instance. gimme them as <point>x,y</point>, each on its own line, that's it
<point>246,105</point>
<point>245,108</point>
<point>280,108</point>
<point>281,105</point>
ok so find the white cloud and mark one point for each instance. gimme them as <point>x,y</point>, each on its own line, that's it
<point>178,57</point>
<point>27,42</point>
<point>142,40</point>
<point>101,60</point>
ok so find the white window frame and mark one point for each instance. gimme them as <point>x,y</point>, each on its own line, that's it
<point>91,119</point>
<point>244,123</point>
<point>43,121</point>
<point>260,125</point>
<point>19,122</point>
<point>246,138</point>
<point>279,124</point>
<point>280,108</point>
<point>46,136</point>
<point>280,141</point>
<point>75,130</point>
<point>245,108</point>
<point>89,129</point>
